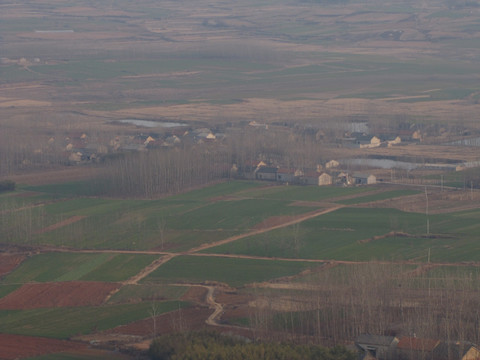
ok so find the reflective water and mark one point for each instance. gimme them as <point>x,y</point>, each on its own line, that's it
<point>151,124</point>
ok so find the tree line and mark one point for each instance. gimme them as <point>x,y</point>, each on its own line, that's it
<point>206,345</point>
<point>337,305</point>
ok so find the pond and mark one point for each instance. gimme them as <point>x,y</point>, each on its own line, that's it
<point>383,163</point>
<point>150,123</point>
<point>395,164</point>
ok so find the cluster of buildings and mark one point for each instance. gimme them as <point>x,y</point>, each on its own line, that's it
<point>377,347</point>
<point>79,147</point>
<point>364,140</point>
<point>320,177</point>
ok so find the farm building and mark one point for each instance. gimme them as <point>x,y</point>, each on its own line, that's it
<point>308,178</point>
<point>332,164</point>
<point>266,173</point>
<point>395,141</point>
<point>415,348</point>
<point>324,179</point>
<point>376,347</point>
<point>412,348</point>
<point>461,350</point>
<point>342,178</point>
<point>364,179</point>
<point>286,175</point>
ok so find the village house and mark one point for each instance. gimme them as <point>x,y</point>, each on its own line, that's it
<point>332,164</point>
<point>324,179</point>
<point>364,179</point>
<point>309,178</point>
<point>395,141</point>
<point>378,347</point>
<point>342,178</point>
<point>286,175</point>
<point>372,143</point>
<point>266,173</point>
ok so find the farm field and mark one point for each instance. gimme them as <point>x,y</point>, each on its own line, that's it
<point>118,232</point>
<point>264,240</point>
<point>53,267</point>
<point>232,271</point>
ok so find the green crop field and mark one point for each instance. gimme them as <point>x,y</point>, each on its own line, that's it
<point>63,323</point>
<point>350,234</point>
<point>177,223</point>
<point>6,289</point>
<point>77,266</point>
<point>233,271</point>
<point>237,214</point>
<point>380,196</point>
<point>303,193</point>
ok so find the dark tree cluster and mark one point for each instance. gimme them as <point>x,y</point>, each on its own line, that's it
<point>211,345</point>
<point>7,185</point>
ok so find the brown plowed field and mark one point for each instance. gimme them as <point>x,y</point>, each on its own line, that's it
<point>58,294</point>
<point>8,262</point>
<point>19,346</point>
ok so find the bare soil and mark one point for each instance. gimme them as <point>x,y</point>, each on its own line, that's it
<point>8,262</point>
<point>58,294</point>
<point>55,176</point>
<point>18,346</point>
<point>60,224</point>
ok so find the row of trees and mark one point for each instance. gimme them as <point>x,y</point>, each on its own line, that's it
<point>166,171</point>
<point>211,345</point>
<point>338,304</point>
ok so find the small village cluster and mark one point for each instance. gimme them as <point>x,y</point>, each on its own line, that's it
<point>328,174</point>
<point>80,147</point>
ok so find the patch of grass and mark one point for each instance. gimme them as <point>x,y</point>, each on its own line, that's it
<point>377,197</point>
<point>451,14</point>
<point>345,234</point>
<point>302,193</point>
<point>234,215</point>
<point>230,188</point>
<point>76,266</point>
<point>233,271</point>
<point>63,323</point>
<point>352,234</point>
<point>14,73</point>
<point>7,289</point>
<point>120,267</point>
<point>69,189</point>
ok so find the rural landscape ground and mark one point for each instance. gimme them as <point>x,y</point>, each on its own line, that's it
<point>132,132</point>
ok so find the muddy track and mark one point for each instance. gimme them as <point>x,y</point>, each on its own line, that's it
<point>212,319</point>
<point>142,274</point>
